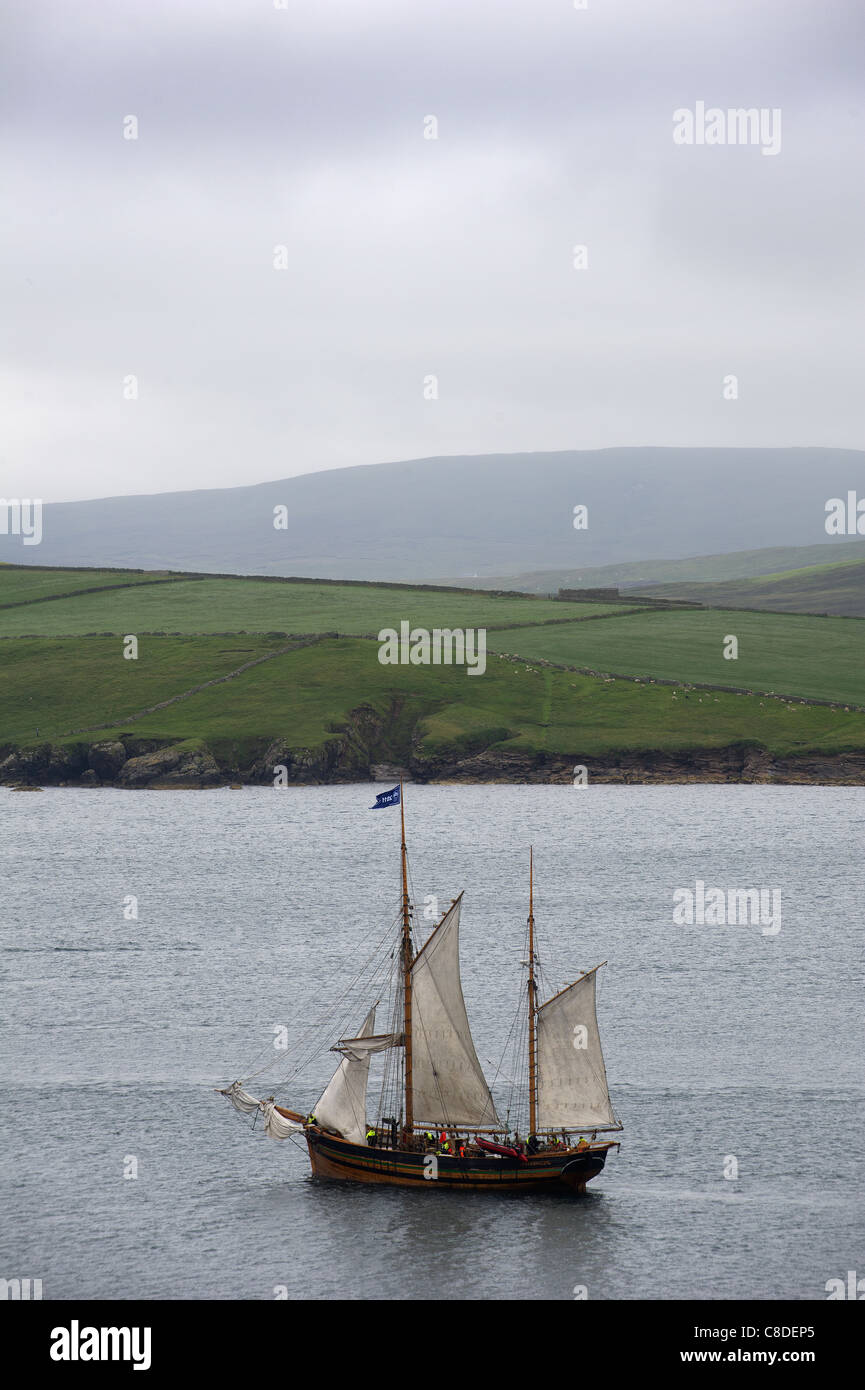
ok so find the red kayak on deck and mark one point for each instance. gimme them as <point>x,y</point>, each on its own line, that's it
<point>501,1149</point>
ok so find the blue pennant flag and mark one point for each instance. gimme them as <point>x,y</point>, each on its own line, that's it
<point>390,798</point>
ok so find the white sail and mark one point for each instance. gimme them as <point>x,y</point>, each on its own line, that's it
<point>240,1099</point>
<point>358,1048</point>
<point>342,1107</point>
<point>448,1085</point>
<point>572,1079</point>
<point>276,1126</point>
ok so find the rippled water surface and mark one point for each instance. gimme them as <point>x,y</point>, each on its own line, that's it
<point>254,908</point>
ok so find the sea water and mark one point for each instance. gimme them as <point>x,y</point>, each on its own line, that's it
<point>156,945</point>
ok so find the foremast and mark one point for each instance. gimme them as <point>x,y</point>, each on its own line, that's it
<point>533,1085</point>
<point>406,961</point>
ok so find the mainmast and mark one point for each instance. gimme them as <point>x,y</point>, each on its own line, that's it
<point>532,1002</point>
<point>406,961</point>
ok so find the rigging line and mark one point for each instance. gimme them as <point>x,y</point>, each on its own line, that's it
<point>390,1080</point>
<point>489,1061</point>
<point>418,919</point>
<point>376,983</point>
<point>518,1096</point>
<point>373,985</point>
<point>371,965</point>
<point>392,1094</point>
<point>323,1023</point>
<point>515,1046</point>
<point>505,1048</point>
<point>519,1090</point>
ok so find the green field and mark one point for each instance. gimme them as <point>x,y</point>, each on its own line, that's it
<point>68,686</point>
<point>59,686</point>
<point>305,695</point>
<point>233,605</point>
<point>25,584</point>
<point>833,589</point>
<point>822,658</point>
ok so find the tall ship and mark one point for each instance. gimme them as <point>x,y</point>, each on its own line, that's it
<point>434,1121</point>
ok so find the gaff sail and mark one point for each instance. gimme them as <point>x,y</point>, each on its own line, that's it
<point>449,1087</point>
<point>572,1078</point>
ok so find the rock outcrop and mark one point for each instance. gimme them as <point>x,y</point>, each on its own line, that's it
<point>44,764</point>
<point>364,748</point>
<point>733,764</point>
<point>106,759</point>
<point>175,766</point>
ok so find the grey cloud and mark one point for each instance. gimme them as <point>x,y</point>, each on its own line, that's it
<point>409,257</point>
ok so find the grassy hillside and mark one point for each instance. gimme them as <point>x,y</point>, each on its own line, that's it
<point>231,605</point>
<point>834,589</point>
<point>60,686</point>
<point>823,658</point>
<point>23,585</point>
<point>698,569</point>
<point>305,696</point>
<point>69,689</point>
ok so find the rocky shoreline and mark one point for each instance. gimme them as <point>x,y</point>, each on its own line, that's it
<point>135,764</point>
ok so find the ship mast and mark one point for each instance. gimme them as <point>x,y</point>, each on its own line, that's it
<point>532,998</point>
<point>406,960</point>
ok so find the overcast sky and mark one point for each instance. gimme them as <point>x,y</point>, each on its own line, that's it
<point>408,257</point>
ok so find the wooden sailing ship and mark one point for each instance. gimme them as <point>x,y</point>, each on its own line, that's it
<point>444,1129</point>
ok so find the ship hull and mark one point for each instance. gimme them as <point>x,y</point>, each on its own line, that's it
<point>569,1171</point>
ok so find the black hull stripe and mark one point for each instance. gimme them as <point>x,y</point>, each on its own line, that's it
<point>353,1157</point>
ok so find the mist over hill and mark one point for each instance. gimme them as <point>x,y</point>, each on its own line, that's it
<point>469,516</point>
<point>636,574</point>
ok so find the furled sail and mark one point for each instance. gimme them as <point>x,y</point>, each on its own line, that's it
<point>358,1048</point>
<point>275,1125</point>
<point>342,1107</point>
<point>448,1085</point>
<point>572,1079</point>
<point>240,1099</point>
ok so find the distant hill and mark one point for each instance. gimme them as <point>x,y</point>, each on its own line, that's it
<point>737,564</point>
<point>833,589</point>
<point>465,517</point>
